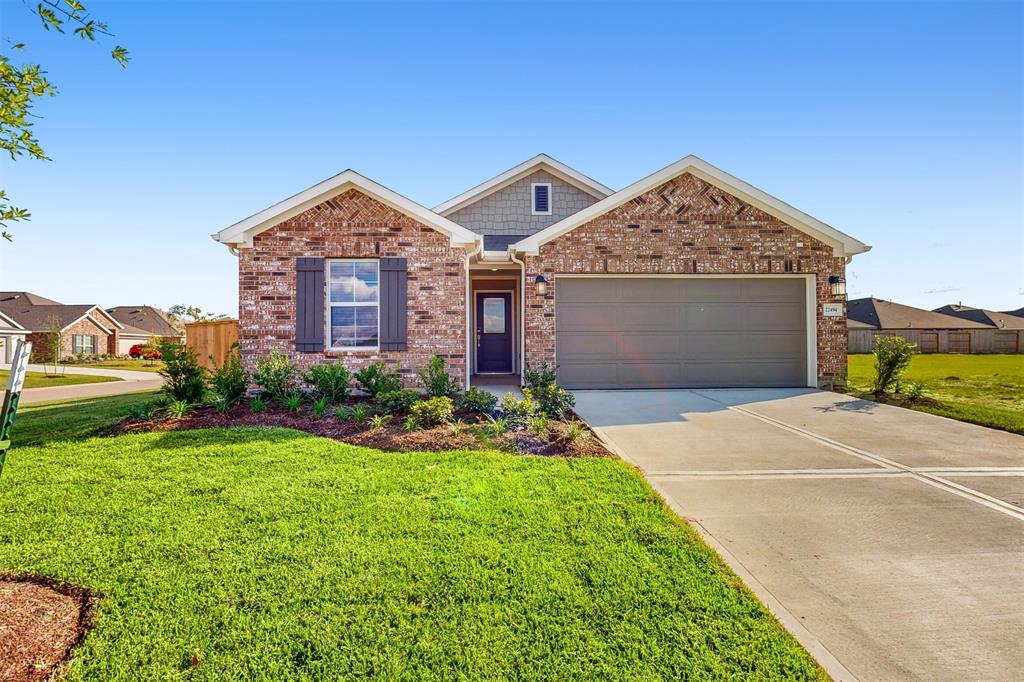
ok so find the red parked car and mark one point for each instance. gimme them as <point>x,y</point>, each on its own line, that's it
<point>141,351</point>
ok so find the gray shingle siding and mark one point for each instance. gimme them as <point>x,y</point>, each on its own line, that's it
<point>507,211</point>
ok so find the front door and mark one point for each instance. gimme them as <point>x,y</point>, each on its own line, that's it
<point>494,332</point>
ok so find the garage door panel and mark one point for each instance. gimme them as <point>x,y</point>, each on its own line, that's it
<point>680,332</point>
<point>633,347</point>
<point>647,316</point>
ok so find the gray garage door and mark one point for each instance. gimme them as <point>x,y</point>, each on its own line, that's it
<point>637,332</point>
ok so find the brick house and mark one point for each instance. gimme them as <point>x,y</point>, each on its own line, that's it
<point>85,329</point>
<point>688,277</point>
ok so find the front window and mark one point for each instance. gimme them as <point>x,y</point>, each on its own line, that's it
<point>353,292</point>
<point>83,344</point>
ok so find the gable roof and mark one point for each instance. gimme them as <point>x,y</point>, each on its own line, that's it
<point>36,313</point>
<point>888,315</point>
<point>990,318</point>
<point>842,244</point>
<point>143,319</point>
<point>9,322</point>
<point>241,233</point>
<point>516,173</point>
<point>32,299</point>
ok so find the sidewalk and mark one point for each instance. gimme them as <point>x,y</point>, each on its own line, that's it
<point>131,382</point>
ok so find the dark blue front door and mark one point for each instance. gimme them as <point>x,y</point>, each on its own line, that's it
<point>494,332</point>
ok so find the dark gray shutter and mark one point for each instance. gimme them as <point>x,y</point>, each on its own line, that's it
<point>394,278</point>
<point>309,305</point>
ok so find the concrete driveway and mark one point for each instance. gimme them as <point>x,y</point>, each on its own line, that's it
<point>890,542</point>
<point>131,382</point>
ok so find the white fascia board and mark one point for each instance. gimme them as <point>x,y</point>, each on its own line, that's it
<point>108,316</point>
<point>242,232</point>
<point>12,322</point>
<point>88,315</point>
<point>539,162</point>
<point>842,244</point>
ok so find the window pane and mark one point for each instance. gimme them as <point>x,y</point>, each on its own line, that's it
<point>341,281</point>
<point>494,316</point>
<point>366,326</point>
<point>343,326</point>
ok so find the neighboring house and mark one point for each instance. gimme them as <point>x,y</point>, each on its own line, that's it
<point>86,329</point>
<point>10,333</point>
<point>989,317</point>
<point>141,323</point>
<point>688,277</point>
<point>931,331</point>
<point>1019,312</point>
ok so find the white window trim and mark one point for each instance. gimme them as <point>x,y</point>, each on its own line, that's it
<point>353,304</point>
<point>533,198</point>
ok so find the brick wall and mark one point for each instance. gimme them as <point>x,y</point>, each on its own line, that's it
<point>354,225</point>
<point>687,226</point>
<point>41,341</point>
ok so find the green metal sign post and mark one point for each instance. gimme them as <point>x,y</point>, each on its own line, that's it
<point>15,382</point>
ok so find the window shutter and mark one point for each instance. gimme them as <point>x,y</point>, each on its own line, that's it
<point>309,305</point>
<point>394,278</point>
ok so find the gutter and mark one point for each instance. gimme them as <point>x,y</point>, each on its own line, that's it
<point>469,317</point>
<point>522,312</point>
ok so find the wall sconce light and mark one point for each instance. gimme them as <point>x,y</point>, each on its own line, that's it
<point>838,285</point>
<point>541,285</point>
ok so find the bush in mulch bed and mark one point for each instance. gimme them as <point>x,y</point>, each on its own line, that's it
<point>466,432</point>
<point>40,622</point>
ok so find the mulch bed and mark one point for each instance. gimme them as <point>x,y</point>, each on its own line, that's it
<point>40,622</point>
<point>392,437</point>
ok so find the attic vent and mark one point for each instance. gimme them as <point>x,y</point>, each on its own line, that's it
<point>541,198</point>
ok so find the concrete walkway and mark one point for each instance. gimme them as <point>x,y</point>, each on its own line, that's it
<point>889,542</point>
<point>131,382</point>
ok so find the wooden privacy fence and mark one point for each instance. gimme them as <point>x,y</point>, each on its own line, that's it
<point>944,340</point>
<point>211,338</point>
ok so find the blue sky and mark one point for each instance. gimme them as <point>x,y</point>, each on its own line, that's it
<point>900,124</point>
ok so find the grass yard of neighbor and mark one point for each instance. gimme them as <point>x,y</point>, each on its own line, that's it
<point>256,553</point>
<point>981,389</point>
<point>42,380</point>
<point>134,365</point>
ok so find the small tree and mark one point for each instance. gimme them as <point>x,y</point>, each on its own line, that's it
<point>892,357</point>
<point>184,377</point>
<point>55,341</point>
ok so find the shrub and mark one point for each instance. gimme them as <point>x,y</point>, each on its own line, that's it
<point>517,411</point>
<point>914,391</point>
<point>179,408</point>
<point>459,427</point>
<point>552,400</point>
<point>379,421</point>
<point>360,413</point>
<point>377,378</point>
<point>276,374</point>
<point>330,381</point>
<point>230,380</point>
<point>892,357</point>
<point>539,424</point>
<point>478,400</point>
<point>184,377</point>
<point>342,413</point>
<point>320,407</point>
<point>397,401</point>
<point>257,405</point>
<point>410,423</point>
<point>540,376</point>
<point>496,427</point>
<point>437,381</point>
<point>293,402</point>
<point>433,411</point>
<point>575,430</point>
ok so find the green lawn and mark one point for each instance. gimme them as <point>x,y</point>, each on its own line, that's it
<point>134,365</point>
<point>39,423</point>
<point>982,389</point>
<point>273,554</point>
<point>41,380</point>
